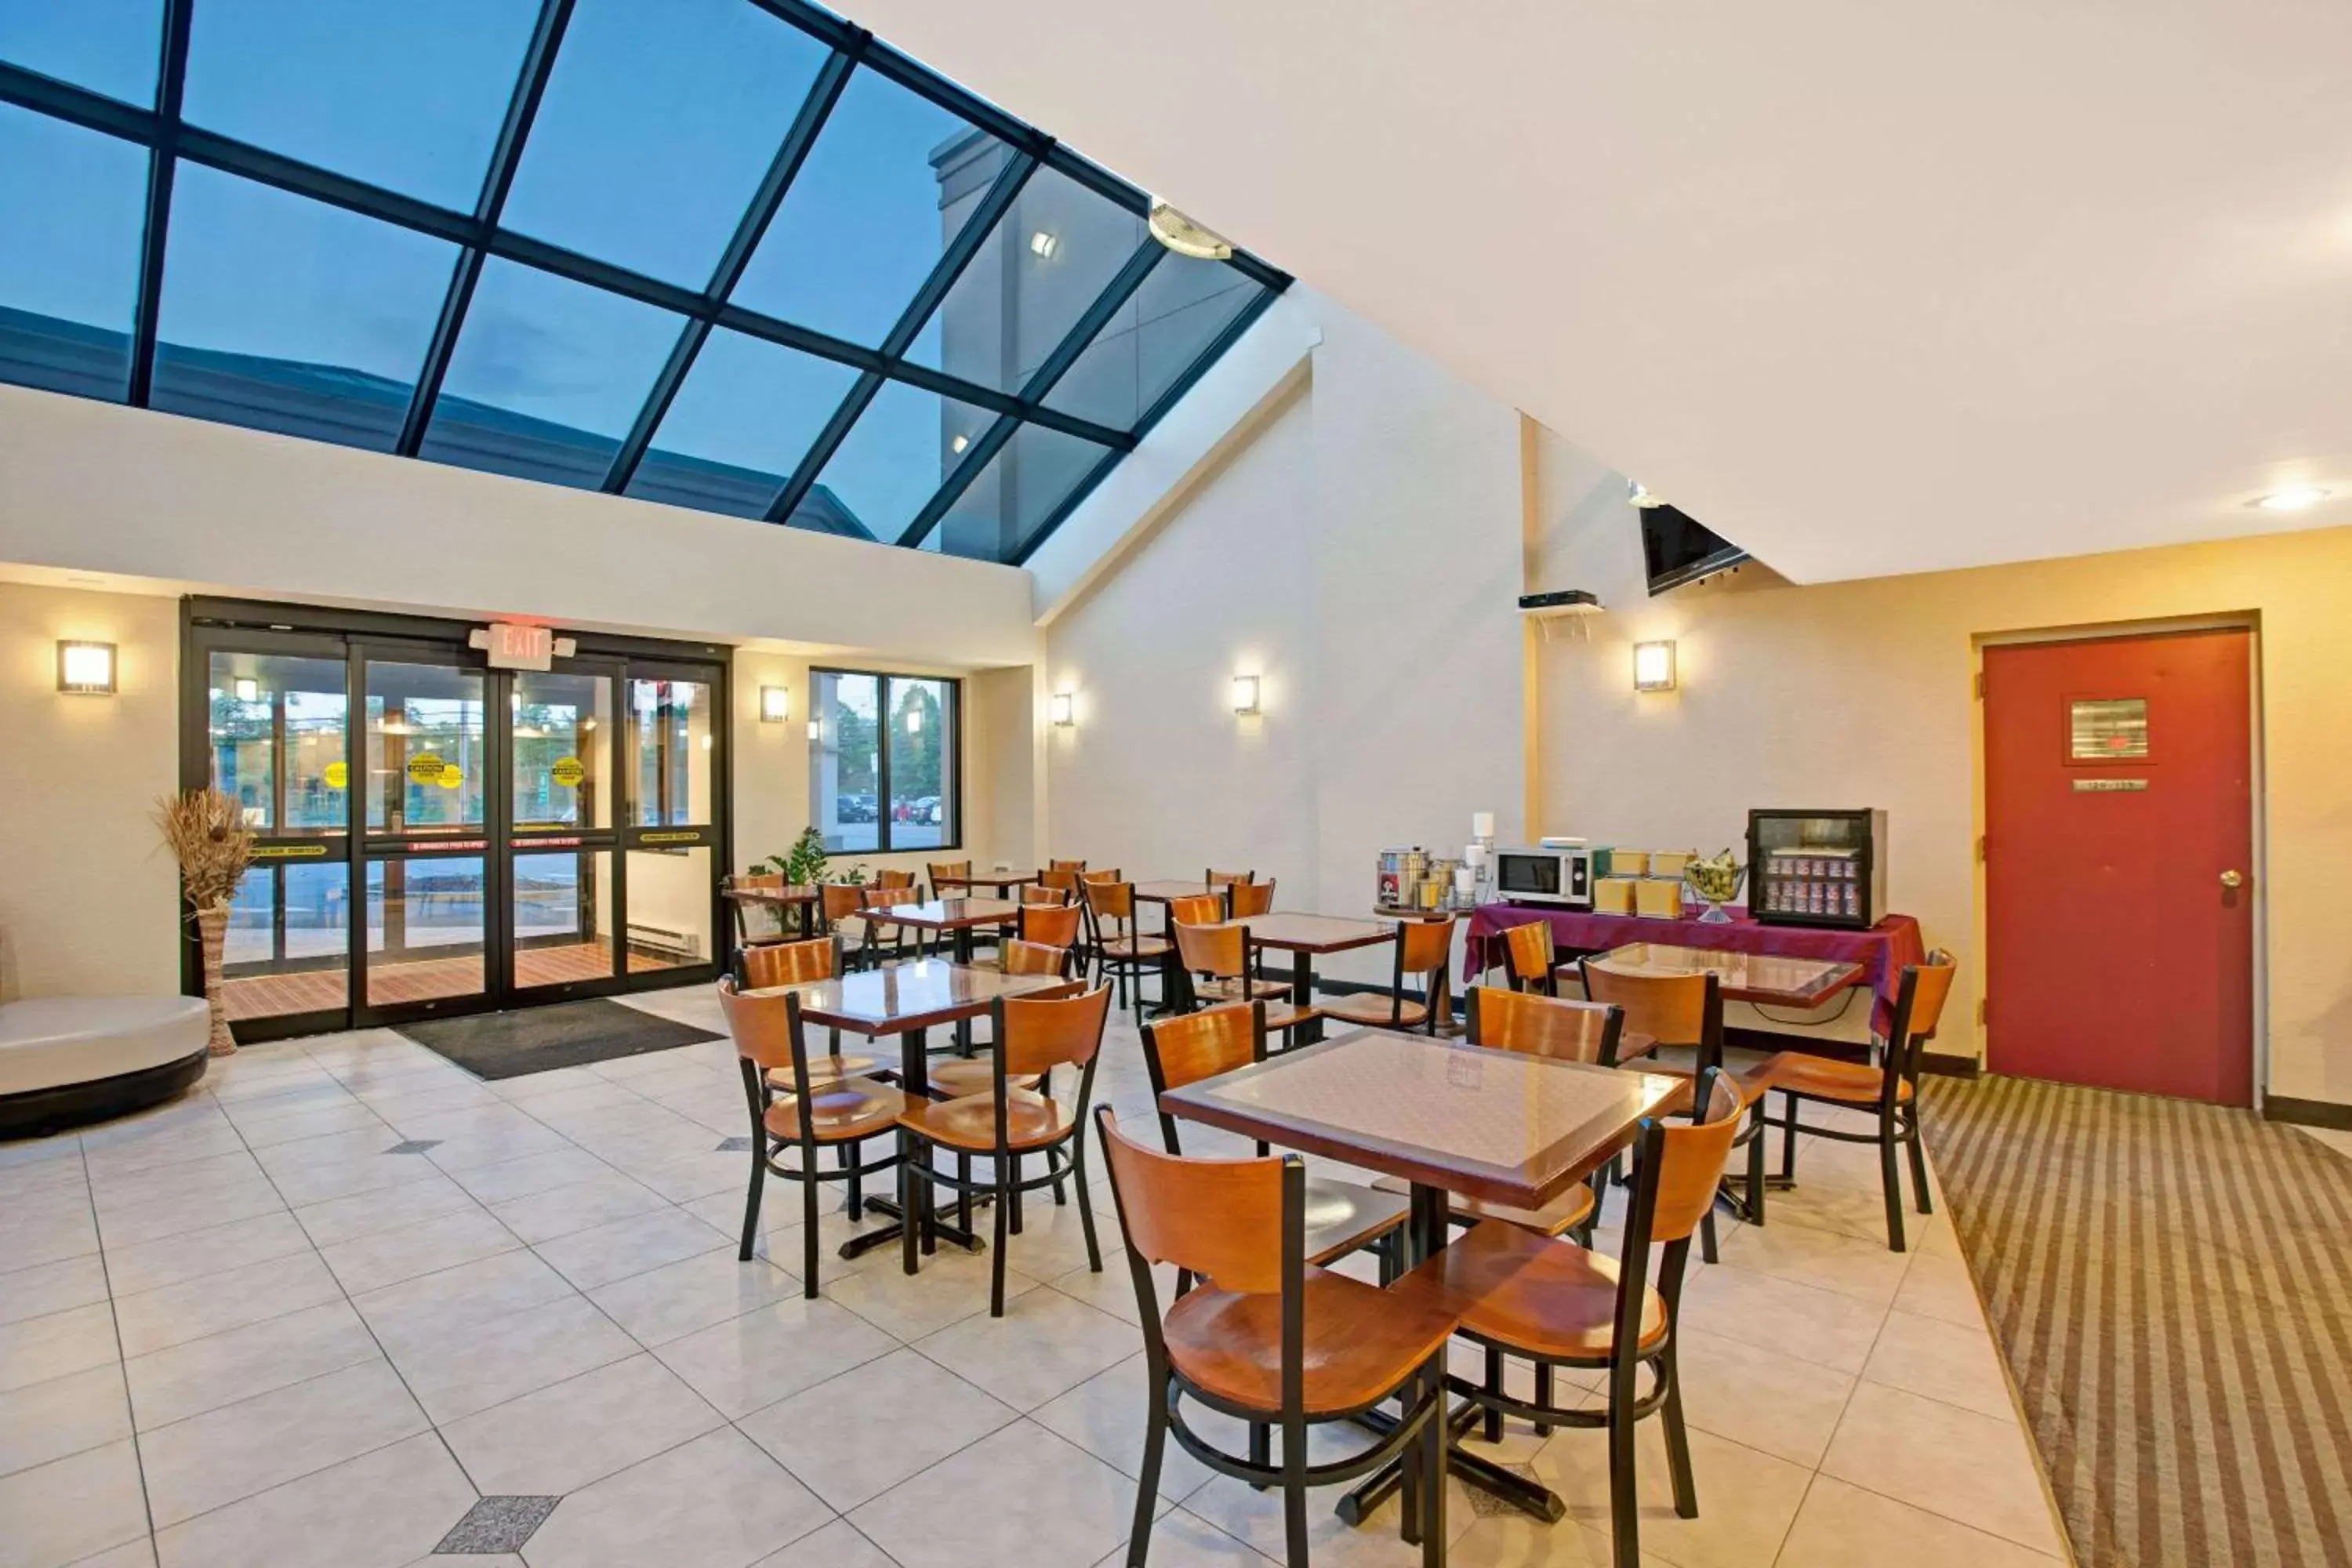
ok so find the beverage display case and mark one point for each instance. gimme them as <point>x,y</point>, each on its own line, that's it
<point>1817,867</point>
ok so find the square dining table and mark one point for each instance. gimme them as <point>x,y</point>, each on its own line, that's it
<point>1306,937</point>
<point>1447,1117</point>
<point>1772,979</point>
<point>958,917</point>
<point>997,880</point>
<point>906,1000</point>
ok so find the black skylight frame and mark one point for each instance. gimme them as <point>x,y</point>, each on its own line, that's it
<point>479,236</point>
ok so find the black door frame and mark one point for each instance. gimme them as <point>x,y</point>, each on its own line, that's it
<point>211,623</point>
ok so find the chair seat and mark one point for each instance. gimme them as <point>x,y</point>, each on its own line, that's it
<point>1366,1007</point>
<point>973,1075</point>
<point>1137,946</point>
<point>1540,1297</point>
<point>1826,1077</point>
<point>1234,989</point>
<point>1361,1341</point>
<point>970,1123</point>
<point>1344,1216</point>
<point>1562,1215</point>
<point>1288,1014</point>
<point>824,1068</point>
<point>841,1109</point>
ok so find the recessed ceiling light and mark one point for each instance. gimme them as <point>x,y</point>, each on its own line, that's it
<point>958,443</point>
<point>2292,500</point>
<point>1043,244</point>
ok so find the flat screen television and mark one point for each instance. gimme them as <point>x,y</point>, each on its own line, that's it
<point>1676,548</point>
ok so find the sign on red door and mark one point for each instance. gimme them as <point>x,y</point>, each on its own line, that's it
<point>2118,863</point>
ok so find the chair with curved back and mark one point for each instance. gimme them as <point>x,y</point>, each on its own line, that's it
<point>837,905</point>
<point>1196,910</point>
<point>880,930</point>
<point>1122,953</point>
<point>886,878</point>
<point>1046,893</point>
<point>772,916</point>
<point>1217,964</point>
<point>1033,1038</point>
<point>953,872</point>
<point>1558,1306</point>
<point>1423,948</point>
<point>768,965</point>
<point>807,1113</point>
<point>1529,960</point>
<point>1273,1340</point>
<point>1246,899</point>
<point>1053,925</point>
<point>1890,1088</point>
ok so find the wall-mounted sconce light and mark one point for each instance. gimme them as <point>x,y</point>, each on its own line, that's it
<point>775,704</point>
<point>1654,667</point>
<point>247,688</point>
<point>1246,694</point>
<point>1063,709</point>
<point>86,668</point>
<point>816,729</point>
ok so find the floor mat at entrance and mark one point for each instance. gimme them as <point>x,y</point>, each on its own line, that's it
<point>537,1040</point>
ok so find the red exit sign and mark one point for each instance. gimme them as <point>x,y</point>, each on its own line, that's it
<point>511,645</point>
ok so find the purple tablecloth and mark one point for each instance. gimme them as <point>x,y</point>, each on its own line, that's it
<point>1883,950</point>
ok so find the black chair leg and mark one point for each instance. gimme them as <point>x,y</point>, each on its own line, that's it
<point>1543,1395</point>
<point>1706,1249</point>
<point>963,1191</point>
<point>1495,1387</point>
<point>1919,1169</point>
<point>1788,1137</point>
<point>1294,1492</point>
<point>1624,1503</point>
<point>1756,1171</point>
<point>1678,1460</point>
<point>808,1223</point>
<point>908,1222</point>
<point>996,1263</point>
<point>1085,1205</point>
<point>1432,1476</point>
<point>751,1199</point>
<point>1890,1178</point>
<point>851,1164</point>
<point>1016,1194</point>
<point>1147,1490</point>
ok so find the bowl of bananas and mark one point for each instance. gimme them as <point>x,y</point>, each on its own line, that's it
<point>1714,882</point>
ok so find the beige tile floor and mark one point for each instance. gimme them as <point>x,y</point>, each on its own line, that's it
<point>237,1331</point>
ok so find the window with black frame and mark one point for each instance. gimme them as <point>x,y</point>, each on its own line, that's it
<point>883,764</point>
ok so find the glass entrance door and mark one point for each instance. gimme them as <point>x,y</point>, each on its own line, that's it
<point>427,876</point>
<point>562,920</point>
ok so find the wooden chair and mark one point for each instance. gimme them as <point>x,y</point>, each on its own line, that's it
<point>1423,948</point>
<point>837,907</point>
<point>1531,961</point>
<point>960,1076</point>
<point>814,1113</point>
<point>1033,1038</point>
<point>1121,953</point>
<point>1045,893</point>
<point>767,965</point>
<point>1685,1010</point>
<point>1199,910</point>
<point>894,878</point>
<point>1272,1338</point>
<point>1561,1306</point>
<point>1247,899</point>
<point>772,916</point>
<point>1053,925</point>
<point>1341,1217</point>
<point>1217,964</point>
<point>1110,874</point>
<point>1063,875</point>
<point>950,869</point>
<point>1890,1088</point>
<point>1216,879</point>
<point>880,931</point>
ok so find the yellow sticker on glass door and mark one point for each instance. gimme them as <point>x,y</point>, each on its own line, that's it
<point>426,767</point>
<point>568,772</point>
<point>338,775</point>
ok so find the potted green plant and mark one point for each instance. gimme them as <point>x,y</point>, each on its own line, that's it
<point>204,830</point>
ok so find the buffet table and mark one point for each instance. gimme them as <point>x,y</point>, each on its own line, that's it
<point>1883,950</point>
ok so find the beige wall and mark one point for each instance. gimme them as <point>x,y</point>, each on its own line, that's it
<point>86,896</point>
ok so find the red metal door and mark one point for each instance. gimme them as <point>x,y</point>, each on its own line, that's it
<point>2118,858</point>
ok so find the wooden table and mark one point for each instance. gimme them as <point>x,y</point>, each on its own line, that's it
<point>957,917</point>
<point>1000,880</point>
<point>1447,1118</point>
<point>905,1000</point>
<point>800,898</point>
<point>1306,936</point>
<point>1777,981</point>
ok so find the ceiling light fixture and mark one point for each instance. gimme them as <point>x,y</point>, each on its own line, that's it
<point>1186,237</point>
<point>958,443</point>
<point>2291,499</point>
<point>1043,245</point>
<point>248,688</point>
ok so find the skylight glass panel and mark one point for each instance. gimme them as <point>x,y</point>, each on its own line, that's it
<point>72,209</point>
<point>1033,474</point>
<point>286,315</point>
<point>745,416</point>
<point>1050,257</point>
<point>891,179</point>
<point>547,377</point>
<point>408,95</point>
<point>1153,340</point>
<point>114,46</point>
<point>659,124</point>
<point>894,457</point>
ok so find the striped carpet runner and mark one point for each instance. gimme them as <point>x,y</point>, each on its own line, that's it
<point>2171,1284</point>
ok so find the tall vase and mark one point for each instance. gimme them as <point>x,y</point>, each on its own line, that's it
<point>212,931</point>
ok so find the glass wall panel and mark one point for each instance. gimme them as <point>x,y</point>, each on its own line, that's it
<point>426,747</point>
<point>745,416</point>
<point>893,458</point>
<point>1048,260</point>
<point>669,909</point>
<point>561,736</point>
<point>287,314</point>
<point>563,909</point>
<point>547,377</point>
<point>277,740</point>
<point>923,763</point>
<point>1033,473</point>
<point>424,929</point>
<point>845,760</point>
<point>669,752</point>
<point>892,171</point>
<point>289,940</point>
<point>409,96</point>
<point>72,209</point>
<point>107,46</point>
<point>1154,339</point>
<point>659,125</point>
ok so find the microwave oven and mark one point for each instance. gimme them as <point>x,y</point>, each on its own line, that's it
<point>1545,875</point>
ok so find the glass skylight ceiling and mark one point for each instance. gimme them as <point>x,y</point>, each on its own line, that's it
<point>733,254</point>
